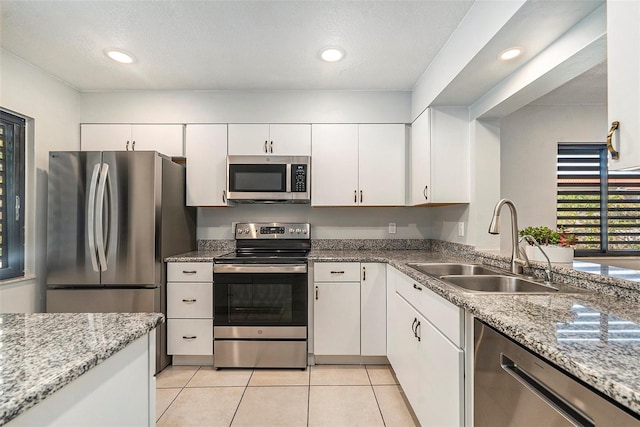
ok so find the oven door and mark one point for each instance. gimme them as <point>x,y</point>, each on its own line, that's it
<point>260,295</point>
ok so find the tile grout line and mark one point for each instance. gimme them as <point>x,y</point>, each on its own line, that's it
<point>375,396</point>
<point>309,396</point>
<point>179,393</point>
<point>241,397</point>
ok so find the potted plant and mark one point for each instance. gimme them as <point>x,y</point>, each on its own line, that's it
<point>557,244</point>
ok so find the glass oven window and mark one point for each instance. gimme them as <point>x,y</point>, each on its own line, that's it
<point>258,178</point>
<point>270,303</point>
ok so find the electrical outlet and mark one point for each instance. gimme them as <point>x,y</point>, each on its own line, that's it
<point>392,228</point>
<point>461,229</point>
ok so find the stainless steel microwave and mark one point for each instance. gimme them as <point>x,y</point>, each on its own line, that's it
<point>269,179</point>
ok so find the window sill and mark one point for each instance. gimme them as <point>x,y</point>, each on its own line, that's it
<point>17,280</point>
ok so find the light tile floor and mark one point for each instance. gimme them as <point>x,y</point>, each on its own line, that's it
<point>322,395</point>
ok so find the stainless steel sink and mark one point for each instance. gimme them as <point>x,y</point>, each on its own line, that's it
<point>451,269</point>
<point>498,284</point>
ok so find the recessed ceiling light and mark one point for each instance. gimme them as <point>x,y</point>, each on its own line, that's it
<point>332,54</point>
<point>512,52</point>
<point>119,56</point>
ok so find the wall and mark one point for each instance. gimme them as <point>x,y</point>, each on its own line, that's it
<point>272,107</point>
<point>53,111</point>
<point>528,149</point>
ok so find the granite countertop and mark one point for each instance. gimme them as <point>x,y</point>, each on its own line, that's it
<point>42,352</point>
<point>197,256</point>
<point>592,335</point>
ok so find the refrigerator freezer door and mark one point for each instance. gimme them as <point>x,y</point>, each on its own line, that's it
<point>70,261</point>
<point>130,212</point>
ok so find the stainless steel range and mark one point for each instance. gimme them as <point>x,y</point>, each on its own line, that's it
<point>261,305</point>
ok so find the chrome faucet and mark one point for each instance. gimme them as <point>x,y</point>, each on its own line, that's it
<point>548,276</point>
<point>517,260</point>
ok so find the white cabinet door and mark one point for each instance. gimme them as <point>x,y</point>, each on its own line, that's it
<point>290,140</point>
<point>623,78</point>
<point>373,313</point>
<point>404,350</point>
<point>441,370</point>
<point>336,318</point>
<point>440,156</point>
<point>206,152</point>
<point>165,139</point>
<point>105,137</point>
<point>251,139</point>
<point>334,165</point>
<point>381,164</point>
<point>420,159</point>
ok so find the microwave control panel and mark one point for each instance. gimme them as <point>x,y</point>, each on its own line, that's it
<point>299,178</point>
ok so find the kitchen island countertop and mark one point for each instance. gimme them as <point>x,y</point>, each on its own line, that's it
<point>41,353</point>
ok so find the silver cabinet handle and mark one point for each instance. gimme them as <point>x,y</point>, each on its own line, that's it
<point>337,272</point>
<point>425,192</point>
<point>364,273</point>
<point>413,326</point>
<point>265,147</point>
<point>316,292</point>
<point>189,337</point>
<point>271,147</point>
<point>224,196</point>
<point>360,196</point>
<point>189,272</point>
<point>189,301</point>
<point>417,333</point>
<point>417,287</point>
<point>133,146</point>
<point>127,147</point>
<point>355,196</point>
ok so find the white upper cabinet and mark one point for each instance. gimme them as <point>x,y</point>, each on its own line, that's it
<point>334,165</point>
<point>166,139</point>
<point>381,165</point>
<point>623,78</point>
<point>270,139</point>
<point>440,156</point>
<point>206,152</point>
<point>358,165</point>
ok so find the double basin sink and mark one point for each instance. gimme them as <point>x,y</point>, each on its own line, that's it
<point>478,278</point>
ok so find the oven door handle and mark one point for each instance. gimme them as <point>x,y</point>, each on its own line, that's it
<point>260,268</point>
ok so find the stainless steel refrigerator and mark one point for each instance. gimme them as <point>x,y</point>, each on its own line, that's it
<point>112,219</point>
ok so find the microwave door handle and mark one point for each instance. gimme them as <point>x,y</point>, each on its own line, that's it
<point>91,217</point>
<point>288,178</point>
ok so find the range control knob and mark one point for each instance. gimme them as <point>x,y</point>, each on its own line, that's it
<point>291,231</point>
<point>304,231</point>
<point>298,231</point>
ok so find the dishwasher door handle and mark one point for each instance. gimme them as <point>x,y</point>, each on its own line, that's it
<point>564,408</point>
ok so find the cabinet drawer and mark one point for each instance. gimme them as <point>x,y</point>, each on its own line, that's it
<point>445,316</point>
<point>336,272</point>
<point>190,336</point>
<point>189,300</point>
<point>189,272</point>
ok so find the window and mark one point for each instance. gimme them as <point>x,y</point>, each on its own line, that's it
<point>601,207</point>
<point>12,132</point>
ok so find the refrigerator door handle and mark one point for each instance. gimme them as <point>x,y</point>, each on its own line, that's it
<point>102,254</point>
<point>91,216</point>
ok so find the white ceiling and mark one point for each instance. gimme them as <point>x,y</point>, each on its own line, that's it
<point>231,45</point>
<point>275,45</point>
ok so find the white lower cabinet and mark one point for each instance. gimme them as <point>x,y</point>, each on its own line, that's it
<point>428,365</point>
<point>349,309</point>
<point>190,308</point>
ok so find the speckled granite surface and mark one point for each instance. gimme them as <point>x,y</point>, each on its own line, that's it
<point>42,352</point>
<point>554,325</point>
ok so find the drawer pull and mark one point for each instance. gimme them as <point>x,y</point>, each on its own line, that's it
<point>417,287</point>
<point>189,271</point>
<point>337,272</point>
<point>189,301</point>
<point>189,337</point>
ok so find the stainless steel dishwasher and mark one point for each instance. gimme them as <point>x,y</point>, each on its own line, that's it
<point>514,387</point>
